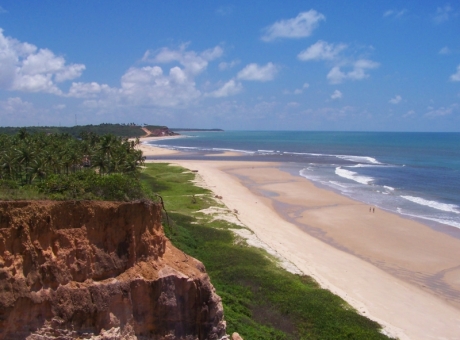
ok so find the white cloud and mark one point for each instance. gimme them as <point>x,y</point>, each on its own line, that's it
<point>193,63</point>
<point>443,14</point>
<point>442,111</point>
<point>409,113</point>
<point>24,67</point>
<point>88,90</point>
<point>298,27</point>
<point>321,50</point>
<point>228,89</point>
<point>149,86</point>
<point>396,99</point>
<point>225,10</point>
<point>2,10</point>
<point>394,13</point>
<point>227,65</point>
<point>456,76</point>
<point>59,106</point>
<point>70,72</point>
<point>336,95</point>
<point>14,111</point>
<point>444,50</point>
<point>359,68</point>
<point>336,76</point>
<point>35,83</point>
<point>258,73</point>
<point>388,13</point>
<point>14,105</point>
<point>358,72</point>
<point>153,85</point>
<point>300,91</point>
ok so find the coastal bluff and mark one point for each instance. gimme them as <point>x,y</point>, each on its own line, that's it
<point>99,270</point>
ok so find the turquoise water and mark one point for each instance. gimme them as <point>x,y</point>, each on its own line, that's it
<point>413,174</point>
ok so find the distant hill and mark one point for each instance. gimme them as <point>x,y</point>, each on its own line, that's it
<point>122,130</point>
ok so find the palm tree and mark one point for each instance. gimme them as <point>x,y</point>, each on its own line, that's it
<point>107,146</point>
<point>23,134</point>
<point>8,163</point>
<point>25,154</point>
<point>26,158</point>
<point>38,169</point>
<point>99,162</point>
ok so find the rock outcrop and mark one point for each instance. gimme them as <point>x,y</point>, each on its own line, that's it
<point>99,270</point>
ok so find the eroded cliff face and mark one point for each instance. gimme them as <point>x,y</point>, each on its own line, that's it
<point>100,270</point>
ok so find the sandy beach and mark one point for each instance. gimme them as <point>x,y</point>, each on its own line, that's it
<point>398,272</point>
<point>149,150</point>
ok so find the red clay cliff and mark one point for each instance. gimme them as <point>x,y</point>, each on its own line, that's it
<point>99,270</point>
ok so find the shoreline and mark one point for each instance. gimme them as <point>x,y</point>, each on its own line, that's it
<point>434,225</point>
<point>304,230</point>
<point>150,151</point>
<point>153,151</point>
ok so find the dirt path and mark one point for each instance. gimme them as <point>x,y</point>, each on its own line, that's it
<point>147,131</point>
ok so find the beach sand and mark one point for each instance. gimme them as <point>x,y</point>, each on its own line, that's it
<point>398,272</point>
<point>150,150</point>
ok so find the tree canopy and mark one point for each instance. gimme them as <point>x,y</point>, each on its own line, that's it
<point>122,130</point>
<point>62,166</point>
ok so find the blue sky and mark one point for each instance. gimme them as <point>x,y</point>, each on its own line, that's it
<point>236,65</point>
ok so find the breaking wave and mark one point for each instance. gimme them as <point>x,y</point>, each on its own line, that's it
<point>354,176</point>
<point>433,204</point>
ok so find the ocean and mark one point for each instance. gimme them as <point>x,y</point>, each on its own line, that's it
<point>416,175</point>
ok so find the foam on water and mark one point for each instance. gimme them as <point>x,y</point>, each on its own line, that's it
<point>364,165</point>
<point>433,204</point>
<point>305,154</point>
<point>309,173</point>
<point>354,176</point>
<point>174,147</point>
<point>233,150</point>
<point>341,185</point>
<point>438,220</point>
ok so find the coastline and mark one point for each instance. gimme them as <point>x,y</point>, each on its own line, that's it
<point>149,150</point>
<point>332,238</point>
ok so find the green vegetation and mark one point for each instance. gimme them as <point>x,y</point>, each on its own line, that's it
<point>59,166</point>
<point>121,130</point>
<point>261,300</point>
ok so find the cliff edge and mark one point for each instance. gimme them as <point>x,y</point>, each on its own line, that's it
<point>99,270</point>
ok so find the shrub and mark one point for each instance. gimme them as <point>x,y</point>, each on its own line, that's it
<point>6,184</point>
<point>89,185</point>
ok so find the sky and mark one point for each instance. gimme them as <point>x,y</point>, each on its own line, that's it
<point>236,65</point>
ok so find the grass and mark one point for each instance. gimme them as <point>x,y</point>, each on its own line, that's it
<point>261,300</point>
<point>20,193</point>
